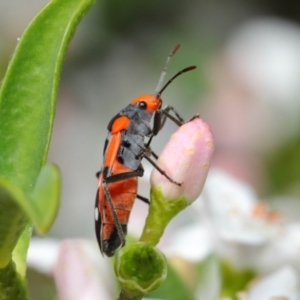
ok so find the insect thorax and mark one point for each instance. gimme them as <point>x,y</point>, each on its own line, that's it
<point>132,142</point>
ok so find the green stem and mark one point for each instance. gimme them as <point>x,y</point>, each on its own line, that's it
<point>124,296</point>
<point>11,284</point>
<point>161,211</point>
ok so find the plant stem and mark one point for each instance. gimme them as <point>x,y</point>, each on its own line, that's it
<point>124,296</point>
<point>161,211</point>
<point>11,284</point>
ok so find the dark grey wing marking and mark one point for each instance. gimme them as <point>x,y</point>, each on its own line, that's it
<point>131,150</point>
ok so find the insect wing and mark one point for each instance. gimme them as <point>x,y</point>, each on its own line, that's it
<point>107,221</point>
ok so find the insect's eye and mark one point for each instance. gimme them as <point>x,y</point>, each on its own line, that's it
<point>143,105</point>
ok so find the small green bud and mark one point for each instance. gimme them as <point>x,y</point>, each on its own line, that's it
<point>140,269</point>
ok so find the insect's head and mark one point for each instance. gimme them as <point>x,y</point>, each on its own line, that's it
<point>148,102</point>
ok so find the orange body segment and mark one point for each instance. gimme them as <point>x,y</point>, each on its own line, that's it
<point>120,124</point>
<point>112,150</point>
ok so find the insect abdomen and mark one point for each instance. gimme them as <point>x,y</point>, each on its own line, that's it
<point>123,194</point>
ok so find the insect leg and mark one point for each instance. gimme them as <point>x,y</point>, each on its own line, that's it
<point>160,118</point>
<point>139,172</point>
<point>143,199</point>
<point>118,177</point>
<point>178,120</point>
<point>113,178</point>
<point>161,171</point>
<point>153,154</point>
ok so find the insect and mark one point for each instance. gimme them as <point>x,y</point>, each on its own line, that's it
<point>123,152</point>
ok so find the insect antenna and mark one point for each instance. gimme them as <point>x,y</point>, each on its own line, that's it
<point>164,71</point>
<point>176,75</point>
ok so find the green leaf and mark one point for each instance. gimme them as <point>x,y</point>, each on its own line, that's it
<point>27,108</point>
<point>41,208</point>
<point>13,220</point>
<point>234,280</point>
<point>29,90</point>
<point>27,102</point>
<point>20,251</point>
<point>44,200</point>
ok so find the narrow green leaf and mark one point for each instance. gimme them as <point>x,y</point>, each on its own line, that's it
<point>19,254</point>
<point>27,108</point>
<point>41,209</point>
<point>13,220</point>
<point>44,204</point>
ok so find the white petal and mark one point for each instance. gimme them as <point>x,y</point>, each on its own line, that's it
<point>230,204</point>
<point>42,254</point>
<point>282,250</point>
<point>282,283</point>
<point>192,243</point>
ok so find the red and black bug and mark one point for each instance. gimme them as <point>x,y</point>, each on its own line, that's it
<point>123,152</point>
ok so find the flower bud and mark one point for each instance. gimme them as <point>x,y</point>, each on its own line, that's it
<point>77,274</point>
<point>140,269</point>
<point>186,159</point>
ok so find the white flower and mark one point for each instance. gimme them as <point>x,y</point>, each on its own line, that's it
<point>263,57</point>
<point>234,210</point>
<point>284,249</point>
<point>192,242</point>
<point>282,284</point>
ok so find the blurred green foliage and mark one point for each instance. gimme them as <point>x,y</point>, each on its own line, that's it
<point>283,169</point>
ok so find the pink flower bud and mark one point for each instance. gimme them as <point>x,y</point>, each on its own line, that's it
<point>77,272</point>
<point>186,159</point>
